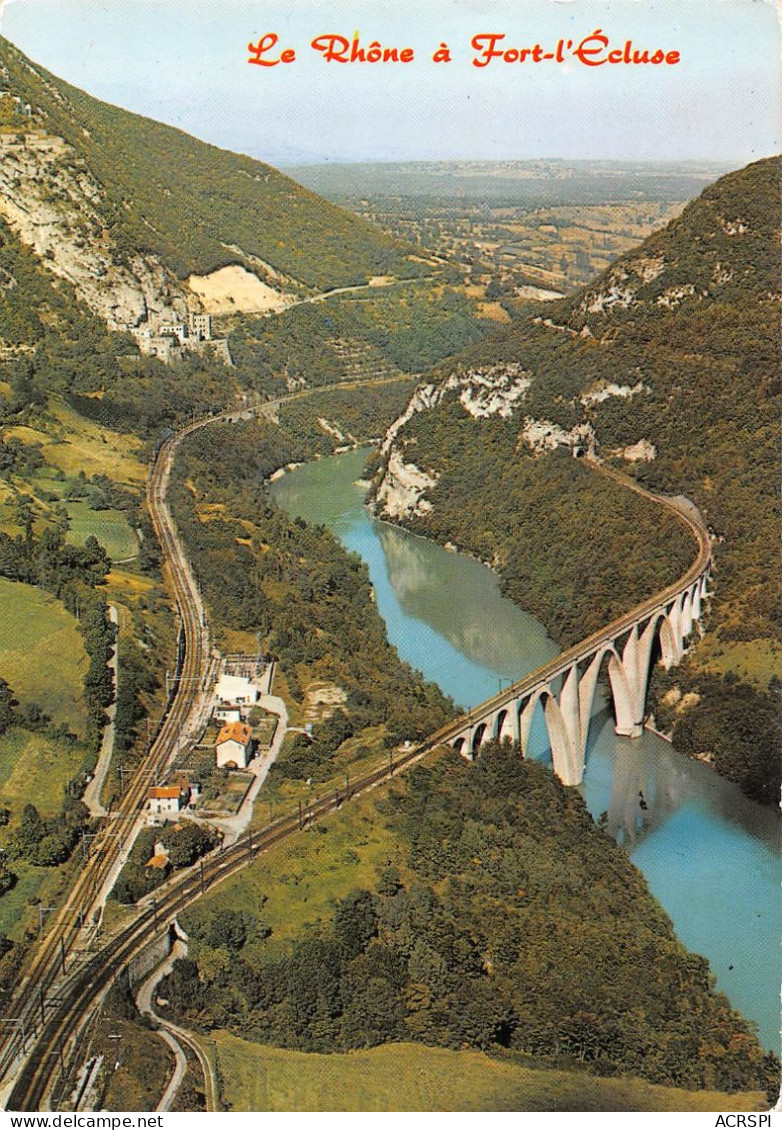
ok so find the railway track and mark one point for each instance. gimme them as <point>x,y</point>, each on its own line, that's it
<point>78,997</point>
<point>50,960</point>
<point>616,628</point>
<point>78,994</point>
<point>48,967</point>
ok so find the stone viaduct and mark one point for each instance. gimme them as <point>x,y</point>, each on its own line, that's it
<point>565,687</point>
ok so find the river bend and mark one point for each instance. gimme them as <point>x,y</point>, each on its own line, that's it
<point>709,854</point>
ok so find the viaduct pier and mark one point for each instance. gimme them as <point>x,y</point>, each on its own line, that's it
<point>565,687</point>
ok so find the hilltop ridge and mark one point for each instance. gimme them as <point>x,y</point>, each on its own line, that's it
<point>97,192</point>
<point>666,365</point>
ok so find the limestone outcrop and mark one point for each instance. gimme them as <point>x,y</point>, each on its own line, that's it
<point>401,492</point>
<point>483,391</point>
<point>54,205</point>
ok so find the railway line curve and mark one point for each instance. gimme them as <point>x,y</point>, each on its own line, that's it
<point>29,1071</point>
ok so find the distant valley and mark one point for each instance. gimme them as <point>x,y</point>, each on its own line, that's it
<point>520,230</point>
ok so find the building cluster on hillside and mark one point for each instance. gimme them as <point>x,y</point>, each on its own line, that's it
<point>169,338</point>
<point>198,327</point>
<point>242,682</point>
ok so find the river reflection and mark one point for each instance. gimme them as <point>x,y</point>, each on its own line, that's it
<point>710,856</point>
<point>642,797</point>
<point>480,623</point>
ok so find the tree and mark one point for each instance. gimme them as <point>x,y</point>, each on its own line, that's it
<point>187,843</point>
<point>7,704</point>
<point>7,881</point>
<point>31,827</point>
<point>355,923</point>
<point>228,929</point>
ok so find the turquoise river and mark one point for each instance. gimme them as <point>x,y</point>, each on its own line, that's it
<point>709,854</point>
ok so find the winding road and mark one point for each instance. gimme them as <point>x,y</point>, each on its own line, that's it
<point>175,1036</point>
<point>64,950</point>
<point>92,793</point>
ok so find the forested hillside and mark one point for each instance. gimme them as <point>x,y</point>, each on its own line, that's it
<point>237,208</point>
<point>666,365</point>
<point>303,598</point>
<point>504,921</point>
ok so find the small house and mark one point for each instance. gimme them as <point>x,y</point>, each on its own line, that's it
<point>200,326</point>
<point>168,800</point>
<point>234,746</point>
<point>159,860</point>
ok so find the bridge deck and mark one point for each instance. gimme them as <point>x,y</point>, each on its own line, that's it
<point>687,513</point>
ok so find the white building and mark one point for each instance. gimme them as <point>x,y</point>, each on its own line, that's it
<point>234,746</point>
<point>227,712</point>
<point>168,800</point>
<point>200,326</point>
<point>235,690</point>
<point>174,329</point>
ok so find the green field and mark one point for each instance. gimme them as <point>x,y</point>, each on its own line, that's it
<point>412,1077</point>
<point>755,661</point>
<point>110,527</point>
<point>75,444</point>
<point>42,655</point>
<point>35,768</point>
<point>18,910</point>
<point>14,903</point>
<point>302,879</point>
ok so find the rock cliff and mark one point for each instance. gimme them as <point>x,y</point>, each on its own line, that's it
<point>56,207</point>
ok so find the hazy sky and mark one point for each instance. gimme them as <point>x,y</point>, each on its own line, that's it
<point>185,62</point>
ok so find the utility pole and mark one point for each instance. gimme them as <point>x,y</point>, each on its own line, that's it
<point>41,911</point>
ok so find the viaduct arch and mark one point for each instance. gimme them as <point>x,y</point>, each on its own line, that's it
<point>565,688</point>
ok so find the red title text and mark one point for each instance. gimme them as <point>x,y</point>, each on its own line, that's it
<point>488,49</point>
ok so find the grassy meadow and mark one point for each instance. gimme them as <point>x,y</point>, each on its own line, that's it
<point>35,767</point>
<point>73,443</point>
<point>110,527</point>
<point>412,1077</point>
<point>42,655</point>
<point>301,880</point>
